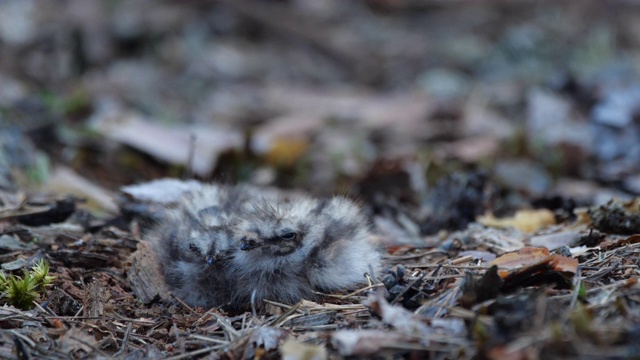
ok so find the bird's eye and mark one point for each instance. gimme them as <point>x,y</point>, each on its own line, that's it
<point>288,236</point>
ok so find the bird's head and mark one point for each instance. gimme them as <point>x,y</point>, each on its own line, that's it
<point>274,229</point>
<point>299,226</point>
<point>207,236</point>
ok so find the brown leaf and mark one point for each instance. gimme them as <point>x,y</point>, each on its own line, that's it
<point>563,263</point>
<point>533,258</point>
<point>525,256</point>
<point>615,243</point>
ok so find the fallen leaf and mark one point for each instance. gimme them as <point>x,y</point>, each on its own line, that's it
<point>197,146</point>
<point>162,191</point>
<point>615,243</point>
<point>286,151</point>
<point>525,220</point>
<point>565,264</point>
<point>267,337</point>
<point>397,316</point>
<point>556,240</point>
<point>295,350</point>
<point>367,342</point>
<point>75,339</point>
<point>65,180</point>
<point>525,256</point>
<point>370,110</point>
<point>533,259</point>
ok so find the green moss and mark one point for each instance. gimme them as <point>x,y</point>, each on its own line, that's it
<point>21,292</point>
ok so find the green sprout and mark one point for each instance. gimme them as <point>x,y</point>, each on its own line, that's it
<point>21,292</point>
<point>40,274</point>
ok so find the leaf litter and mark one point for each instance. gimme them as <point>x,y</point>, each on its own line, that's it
<point>501,237</point>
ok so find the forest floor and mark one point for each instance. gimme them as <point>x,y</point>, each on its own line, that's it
<point>493,146</point>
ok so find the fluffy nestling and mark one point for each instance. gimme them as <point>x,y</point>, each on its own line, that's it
<point>194,242</point>
<point>228,245</point>
<point>290,249</point>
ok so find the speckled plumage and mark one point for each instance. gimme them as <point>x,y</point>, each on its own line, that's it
<point>224,244</point>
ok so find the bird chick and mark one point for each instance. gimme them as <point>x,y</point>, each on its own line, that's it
<point>194,243</point>
<point>229,245</point>
<point>288,250</point>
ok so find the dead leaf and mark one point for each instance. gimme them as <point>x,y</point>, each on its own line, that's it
<point>533,257</point>
<point>523,257</point>
<point>66,181</point>
<point>525,220</point>
<point>367,342</point>
<point>614,243</point>
<point>397,316</point>
<point>565,264</point>
<point>557,240</point>
<point>75,339</point>
<point>267,337</point>
<point>373,111</point>
<point>171,144</point>
<point>161,191</point>
<point>287,151</point>
<point>295,350</point>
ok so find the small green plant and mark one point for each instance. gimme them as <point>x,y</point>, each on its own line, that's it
<point>21,292</point>
<point>40,274</point>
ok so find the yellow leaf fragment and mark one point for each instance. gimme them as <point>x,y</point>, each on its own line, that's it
<point>524,220</point>
<point>286,152</point>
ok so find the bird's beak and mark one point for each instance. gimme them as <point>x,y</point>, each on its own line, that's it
<point>248,245</point>
<point>213,259</point>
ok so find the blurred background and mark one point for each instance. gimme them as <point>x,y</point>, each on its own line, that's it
<point>440,110</point>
